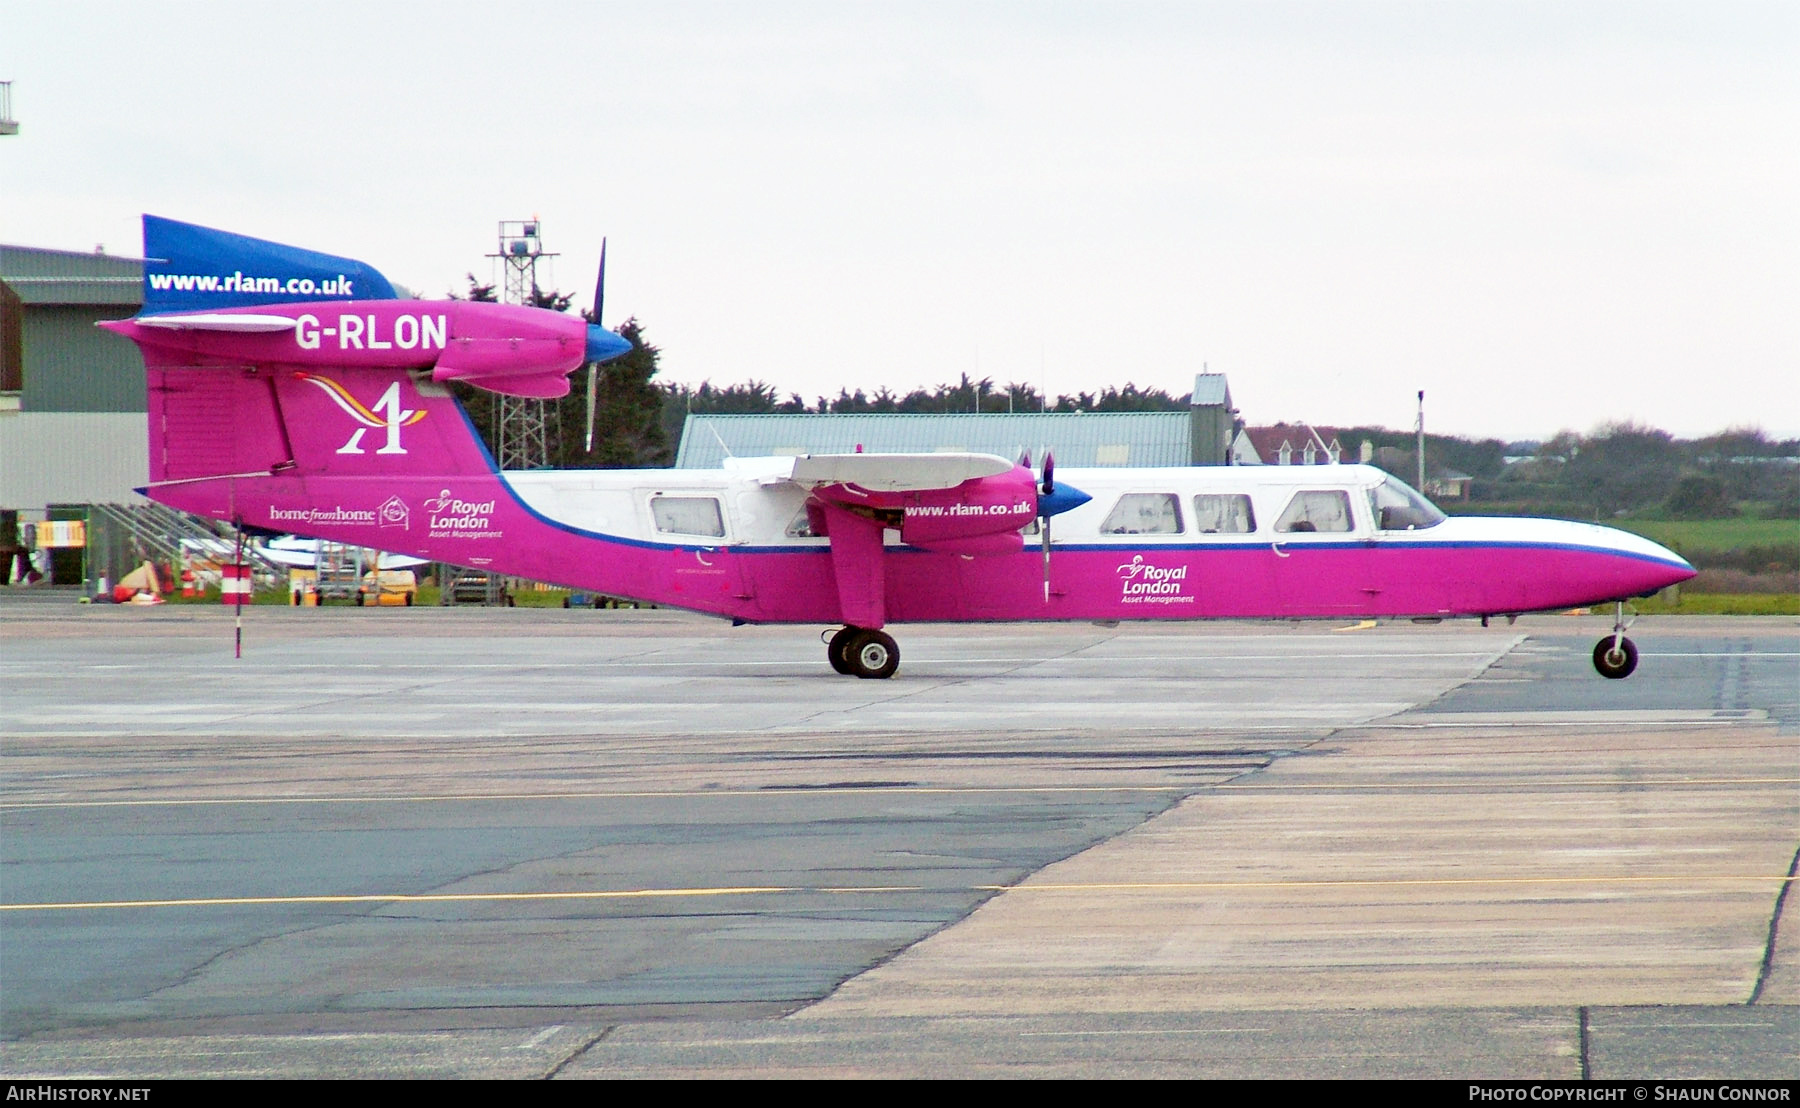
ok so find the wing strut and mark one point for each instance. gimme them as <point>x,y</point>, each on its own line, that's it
<point>856,554</point>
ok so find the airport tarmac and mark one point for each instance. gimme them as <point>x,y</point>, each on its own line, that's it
<point>547,843</point>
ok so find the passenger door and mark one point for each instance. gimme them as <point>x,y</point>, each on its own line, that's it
<point>1321,555</point>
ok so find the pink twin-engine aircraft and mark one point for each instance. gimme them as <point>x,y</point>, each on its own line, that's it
<point>293,391</point>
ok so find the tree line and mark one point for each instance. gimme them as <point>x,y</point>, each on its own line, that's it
<point>1617,469</point>
<point>1627,468</point>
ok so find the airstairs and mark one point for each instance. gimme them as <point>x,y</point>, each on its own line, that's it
<point>157,533</point>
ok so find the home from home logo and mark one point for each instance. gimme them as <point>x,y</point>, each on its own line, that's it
<point>394,513</point>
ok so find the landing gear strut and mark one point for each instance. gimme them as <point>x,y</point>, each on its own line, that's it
<point>1615,656</point>
<point>863,652</point>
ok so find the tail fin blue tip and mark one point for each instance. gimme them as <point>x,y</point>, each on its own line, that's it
<point>192,268</point>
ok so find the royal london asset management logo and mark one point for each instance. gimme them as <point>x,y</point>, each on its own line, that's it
<point>1143,583</point>
<point>386,415</point>
<point>450,517</point>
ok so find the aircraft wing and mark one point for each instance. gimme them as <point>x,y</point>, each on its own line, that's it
<point>895,472</point>
<point>304,554</point>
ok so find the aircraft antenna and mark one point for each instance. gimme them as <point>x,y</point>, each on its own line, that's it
<point>1421,440</point>
<point>721,441</point>
<point>1317,441</point>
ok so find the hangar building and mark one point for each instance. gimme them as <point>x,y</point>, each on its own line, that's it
<point>1209,433</point>
<point>72,411</point>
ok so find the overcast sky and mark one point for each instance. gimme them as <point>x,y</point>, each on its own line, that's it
<point>1547,215</point>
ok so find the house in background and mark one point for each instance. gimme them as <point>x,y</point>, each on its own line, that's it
<point>1448,484</point>
<point>1295,444</point>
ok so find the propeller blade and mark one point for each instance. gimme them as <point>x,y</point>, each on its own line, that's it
<point>593,366</point>
<point>1046,486</point>
<point>593,377</point>
<point>600,285</point>
<point>1053,501</point>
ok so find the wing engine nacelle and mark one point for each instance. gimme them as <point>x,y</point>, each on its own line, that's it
<point>512,350</point>
<point>983,515</point>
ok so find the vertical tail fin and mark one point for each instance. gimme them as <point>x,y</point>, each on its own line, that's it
<point>192,268</point>
<point>281,377</point>
<point>215,421</point>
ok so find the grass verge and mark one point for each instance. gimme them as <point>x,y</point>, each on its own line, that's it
<point>1721,604</point>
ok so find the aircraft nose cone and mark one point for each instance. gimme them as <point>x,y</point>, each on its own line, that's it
<point>1681,570</point>
<point>1660,566</point>
<point>1064,498</point>
<point>604,345</point>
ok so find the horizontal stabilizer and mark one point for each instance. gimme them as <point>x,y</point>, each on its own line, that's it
<point>218,321</point>
<point>896,472</point>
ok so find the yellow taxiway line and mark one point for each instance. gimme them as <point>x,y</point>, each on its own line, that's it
<point>864,890</point>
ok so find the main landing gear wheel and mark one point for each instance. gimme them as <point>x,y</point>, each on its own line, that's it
<point>861,652</point>
<point>872,654</point>
<point>838,650</point>
<point>1615,661</point>
<point>864,653</point>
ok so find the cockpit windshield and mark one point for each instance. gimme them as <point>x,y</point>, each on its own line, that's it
<point>1397,506</point>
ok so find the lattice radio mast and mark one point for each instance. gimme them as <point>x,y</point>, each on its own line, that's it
<point>523,423</point>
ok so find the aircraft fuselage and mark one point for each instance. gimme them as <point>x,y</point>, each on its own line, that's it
<point>632,533</point>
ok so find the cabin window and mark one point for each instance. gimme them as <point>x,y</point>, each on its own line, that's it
<point>688,515</point>
<point>801,526</point>
<point>1396,506</point>
<point>1223,514</point>
<point>1316,510</point>
<point>1144,513</point>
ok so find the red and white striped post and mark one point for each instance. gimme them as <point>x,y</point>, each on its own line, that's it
<point>234,585</point>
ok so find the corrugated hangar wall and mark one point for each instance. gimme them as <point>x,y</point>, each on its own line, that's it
<point>1203,435</point>
<point>73,366</point>
<point>72,458</point>
<point>72,422</point>
<point>1078,440</point>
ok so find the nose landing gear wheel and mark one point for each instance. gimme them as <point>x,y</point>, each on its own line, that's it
<point>1615,662</point>
<point>1615,656</point>
<point>872,654</point>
